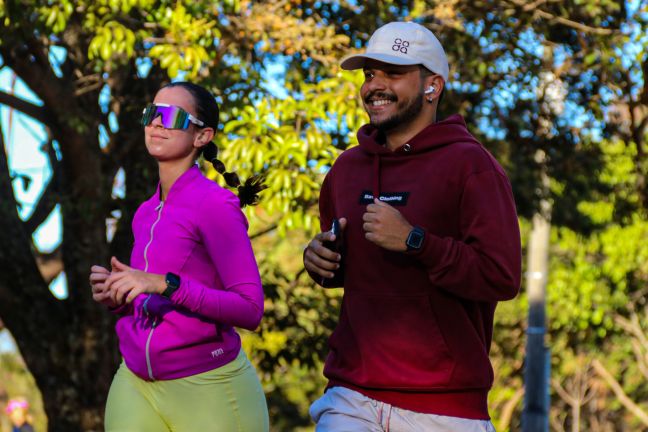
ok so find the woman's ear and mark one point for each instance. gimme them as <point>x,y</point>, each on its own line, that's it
<point>203,137</point>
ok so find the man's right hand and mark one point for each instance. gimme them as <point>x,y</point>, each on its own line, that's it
<point>318,259</point>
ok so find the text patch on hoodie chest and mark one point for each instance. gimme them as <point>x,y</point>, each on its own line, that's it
<point>423,199</point>
<point>391,198</point>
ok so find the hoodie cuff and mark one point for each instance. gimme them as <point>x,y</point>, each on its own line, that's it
<point>430,251</point>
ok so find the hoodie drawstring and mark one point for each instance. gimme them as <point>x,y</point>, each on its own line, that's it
<point>376,176</point>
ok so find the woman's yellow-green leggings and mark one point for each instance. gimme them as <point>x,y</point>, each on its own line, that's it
<point>227,399</point>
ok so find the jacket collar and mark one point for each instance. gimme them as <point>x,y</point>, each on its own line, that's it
<point>181,182</point>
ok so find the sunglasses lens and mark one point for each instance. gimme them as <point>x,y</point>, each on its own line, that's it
<point>172,117</point>
<point>148,115</point>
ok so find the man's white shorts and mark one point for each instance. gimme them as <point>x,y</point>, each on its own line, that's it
<point>344,410</point>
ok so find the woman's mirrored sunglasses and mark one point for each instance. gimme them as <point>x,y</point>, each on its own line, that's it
<point>173,117</point>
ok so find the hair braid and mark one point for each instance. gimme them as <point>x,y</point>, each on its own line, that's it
<point>207,110</point>
<point>248,192</point>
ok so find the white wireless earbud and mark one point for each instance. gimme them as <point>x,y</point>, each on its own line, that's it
<point>429,90</point>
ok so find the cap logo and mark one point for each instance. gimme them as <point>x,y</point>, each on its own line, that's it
<point>400,45</point>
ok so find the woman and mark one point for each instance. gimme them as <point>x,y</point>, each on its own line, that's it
<point>18,412</point>
<point>192,278</point>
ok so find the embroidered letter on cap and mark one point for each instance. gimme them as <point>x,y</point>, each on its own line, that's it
<point>400,45</point>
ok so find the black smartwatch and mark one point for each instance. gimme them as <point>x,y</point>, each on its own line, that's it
<point>172,284</point>
<point>415,239</point>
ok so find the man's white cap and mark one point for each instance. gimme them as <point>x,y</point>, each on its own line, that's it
<point>402,43</point>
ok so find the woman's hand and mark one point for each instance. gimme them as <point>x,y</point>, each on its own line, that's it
<point>125,283</point>
<point>100,292</point>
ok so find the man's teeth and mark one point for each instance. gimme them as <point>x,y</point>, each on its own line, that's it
<point>380,102</point>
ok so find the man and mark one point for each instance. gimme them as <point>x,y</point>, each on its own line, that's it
<point>430,245</point>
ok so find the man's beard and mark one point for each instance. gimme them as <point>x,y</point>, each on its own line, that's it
<point>403,116</point>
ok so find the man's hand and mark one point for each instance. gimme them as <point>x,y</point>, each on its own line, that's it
<point>125,283</point>
<point>319,259</point>
<point>385,226</point>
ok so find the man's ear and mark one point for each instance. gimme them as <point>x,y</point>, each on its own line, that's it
<point>437,82</point>
<point>433,85</point>
<point>204,137</point>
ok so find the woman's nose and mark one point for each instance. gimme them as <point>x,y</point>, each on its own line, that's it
<point>157,121</point>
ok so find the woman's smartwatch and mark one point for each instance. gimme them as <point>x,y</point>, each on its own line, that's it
<point>415,239</point>
<point>172,284</point>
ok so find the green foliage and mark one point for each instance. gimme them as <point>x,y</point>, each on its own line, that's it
<point>528,77</point>
<point>112,39</point>
<point>289,140</point>
<point>55,16</point>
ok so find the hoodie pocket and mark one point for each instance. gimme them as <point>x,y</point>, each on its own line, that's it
<point>395,342</point>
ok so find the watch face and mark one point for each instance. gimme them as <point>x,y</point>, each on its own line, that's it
<point>172,284</point>
<point>172,280</point>
<point>415,238</point>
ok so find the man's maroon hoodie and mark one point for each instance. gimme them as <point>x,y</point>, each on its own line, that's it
<point>415,327</point>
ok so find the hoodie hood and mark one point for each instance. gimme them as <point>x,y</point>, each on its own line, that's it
<point>450,130</point>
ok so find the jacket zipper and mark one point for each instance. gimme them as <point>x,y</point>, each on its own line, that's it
<point>144,306</point>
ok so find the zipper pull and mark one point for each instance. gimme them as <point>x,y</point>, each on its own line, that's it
<point>145,305</point>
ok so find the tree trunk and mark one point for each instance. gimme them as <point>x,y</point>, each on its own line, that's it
<point>69,345</point>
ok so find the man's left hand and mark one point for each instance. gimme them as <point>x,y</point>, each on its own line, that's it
<point>385,226</point>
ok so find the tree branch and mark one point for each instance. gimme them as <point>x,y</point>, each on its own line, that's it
<point>50,265</point>
<point>564,395</point>
<point>642,359</point>
<point>633,327</point>
<point>18,53</point>
<point>264,231</point>
<point>43,209</point>
<point>564,21</point>
<point>25,107</point>
<point>509,408</point>
<point>48,198</point>
<point>618,391</point>
<point>20,282</point>
<point>640,132</point>
<point>644,94</point>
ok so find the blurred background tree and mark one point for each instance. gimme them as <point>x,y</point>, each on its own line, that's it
<point>565,78</point>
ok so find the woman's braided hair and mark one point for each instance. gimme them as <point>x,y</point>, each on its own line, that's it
<point>207,111</point>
